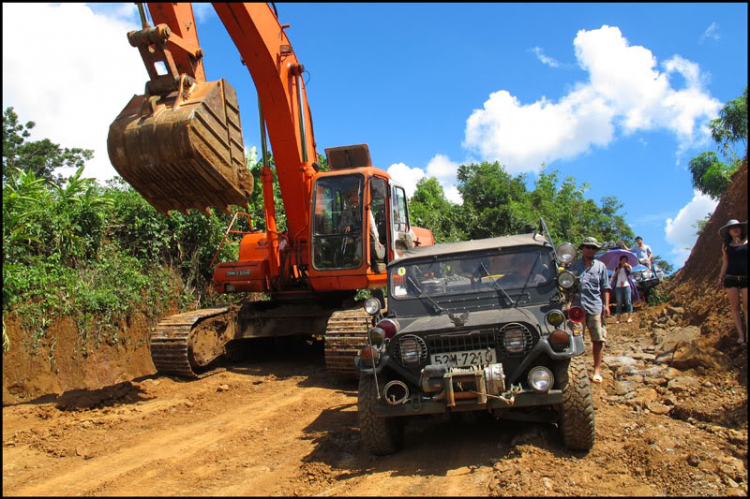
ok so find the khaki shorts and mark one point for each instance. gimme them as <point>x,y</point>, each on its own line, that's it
<point>596,329</point>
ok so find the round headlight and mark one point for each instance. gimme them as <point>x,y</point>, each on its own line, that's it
<point>540,379</point>
<point>566,252</point>
<point>555,317</point>
<point>514,339</point>
<point>413,350</point>
<point>372,305</point>
<point>566,279</point>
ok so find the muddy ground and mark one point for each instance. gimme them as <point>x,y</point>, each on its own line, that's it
<point>278,424</point>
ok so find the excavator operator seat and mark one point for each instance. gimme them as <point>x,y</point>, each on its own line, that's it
<point>183,149</point>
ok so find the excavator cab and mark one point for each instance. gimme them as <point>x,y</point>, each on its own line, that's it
<point>180,143</point>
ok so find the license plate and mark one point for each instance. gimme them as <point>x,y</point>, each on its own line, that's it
<point>465,358</point>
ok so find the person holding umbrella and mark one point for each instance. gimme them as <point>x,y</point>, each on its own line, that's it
<point>733,276</point>
<point>625,291</point>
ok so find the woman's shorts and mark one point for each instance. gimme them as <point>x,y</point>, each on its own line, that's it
<point>735,281</point>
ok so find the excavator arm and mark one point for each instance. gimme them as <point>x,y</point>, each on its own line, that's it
<point>180,144</point>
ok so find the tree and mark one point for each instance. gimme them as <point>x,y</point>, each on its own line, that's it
<point>667,267</point>
<point>731,125</point>
<point>429,207</point>
<point>42,157</point>
<point>711,176</point>
<point>493,200</point>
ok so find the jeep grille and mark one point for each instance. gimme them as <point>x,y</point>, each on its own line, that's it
<point>475,340</point>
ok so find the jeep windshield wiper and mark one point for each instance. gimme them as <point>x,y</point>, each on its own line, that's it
<point>437,307</point>
<point>497,284</point>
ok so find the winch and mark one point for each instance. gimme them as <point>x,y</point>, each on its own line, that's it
<point>463,385</point>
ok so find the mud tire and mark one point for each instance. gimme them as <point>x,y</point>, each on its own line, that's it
<point>380,436</point>
<point>577,410</point>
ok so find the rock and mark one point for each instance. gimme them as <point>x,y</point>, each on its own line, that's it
<point>659,335</point>
<point>709,466</point>
<point>655,381</point>
<point>643,356</point>
<point>621,361</point>
<point>625,387</point>
<point>672,311</point>
<point>693,460</point>
<point>222,388</point>
<point>671,323</point>
<point>683,383</point>
<point>731,482</point>
<point>547,483</point>
<point>643,397</point>
<point>678,336</point>
<point>735,492</point>
<point>671,373</point>
<point>189,403</point>
<point>669,400</point>
<point>737,437</point>
<point>659,408</point>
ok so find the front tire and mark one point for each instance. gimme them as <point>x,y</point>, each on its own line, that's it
<point>577,410</point>
<point>380,436</point>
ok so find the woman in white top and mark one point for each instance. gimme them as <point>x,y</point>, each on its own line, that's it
<point>624,288</point>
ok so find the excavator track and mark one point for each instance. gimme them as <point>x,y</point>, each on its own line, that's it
<point>171,348</point>
<point>345,336</point>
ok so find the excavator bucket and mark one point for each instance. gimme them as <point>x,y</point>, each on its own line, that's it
<point>183,150</point>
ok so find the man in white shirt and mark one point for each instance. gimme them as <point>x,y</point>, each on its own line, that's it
<point>643,251</point>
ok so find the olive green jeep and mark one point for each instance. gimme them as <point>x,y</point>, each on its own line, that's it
<point>476,326</point>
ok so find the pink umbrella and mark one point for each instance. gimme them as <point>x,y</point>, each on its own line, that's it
<point>612,257</point>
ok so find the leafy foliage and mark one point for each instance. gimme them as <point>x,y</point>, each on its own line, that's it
<point>731,125</point>
<point>497,203</point>
<point>710,175</point>
<point>40,156</point>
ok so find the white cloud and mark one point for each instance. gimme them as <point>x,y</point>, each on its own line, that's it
<point>711,32</point>
<point>549,61</point>
<point>440,167</point>
<point>406,176</point>
<point>445,170</point>
<point>680,233</point>
<point>74,87</point>
<point>625,92</point>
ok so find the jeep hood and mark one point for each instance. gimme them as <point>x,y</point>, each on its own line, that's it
<point>478,319</point>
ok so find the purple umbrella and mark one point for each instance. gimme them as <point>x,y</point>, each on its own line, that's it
<point>612,258</point>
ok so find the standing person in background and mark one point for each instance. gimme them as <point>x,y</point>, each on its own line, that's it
<point>625,291</point>
<point>733,275</point>
<point>642,251</point>
<point>593,291</point>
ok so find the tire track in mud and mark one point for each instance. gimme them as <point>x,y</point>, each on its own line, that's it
<point>183,447</point>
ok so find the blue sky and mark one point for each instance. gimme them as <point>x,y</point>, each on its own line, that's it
<point>616,95</point>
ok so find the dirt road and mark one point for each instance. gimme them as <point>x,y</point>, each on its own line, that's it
<point>277,424</point>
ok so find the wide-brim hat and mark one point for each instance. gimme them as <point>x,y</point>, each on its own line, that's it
<point>732,223</point>
<point>590,241</point>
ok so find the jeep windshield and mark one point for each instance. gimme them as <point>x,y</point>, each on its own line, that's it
<point>472,272</point>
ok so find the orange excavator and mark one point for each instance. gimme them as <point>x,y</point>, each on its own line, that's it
<point>180,145</point>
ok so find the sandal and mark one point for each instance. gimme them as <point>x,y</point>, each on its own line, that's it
<point>597,378</point>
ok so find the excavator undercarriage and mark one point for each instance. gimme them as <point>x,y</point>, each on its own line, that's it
<point>189,344</point>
